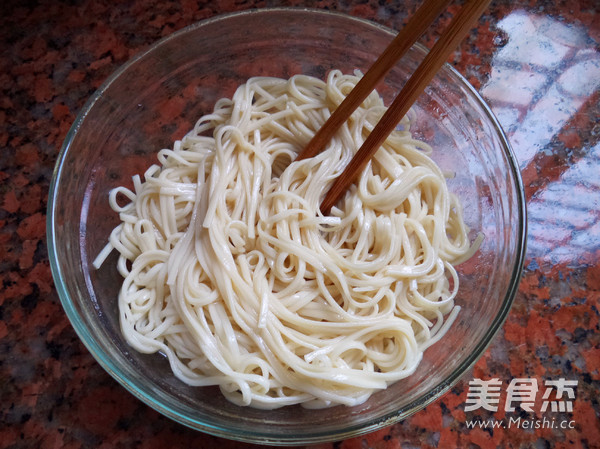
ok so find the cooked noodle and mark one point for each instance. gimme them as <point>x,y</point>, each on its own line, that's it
<point>232,272</point>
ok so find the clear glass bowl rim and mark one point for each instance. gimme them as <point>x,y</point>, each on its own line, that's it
<point>351,430</point>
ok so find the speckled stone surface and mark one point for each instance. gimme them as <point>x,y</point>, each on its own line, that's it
<point>536,62</point>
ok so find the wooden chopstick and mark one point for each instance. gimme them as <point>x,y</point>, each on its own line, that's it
<point>404,40</point>
<point>456,31</point>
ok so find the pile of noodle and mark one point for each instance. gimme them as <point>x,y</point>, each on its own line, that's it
<point>232,272</point>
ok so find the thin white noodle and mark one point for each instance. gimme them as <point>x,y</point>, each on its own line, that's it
<point>233,273</point>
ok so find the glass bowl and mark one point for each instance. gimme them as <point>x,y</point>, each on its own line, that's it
<point>157,97</point>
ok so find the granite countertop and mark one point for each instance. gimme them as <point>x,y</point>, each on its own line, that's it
<point>536,62</point>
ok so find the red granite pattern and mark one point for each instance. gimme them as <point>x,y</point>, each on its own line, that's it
<point>538,65</point>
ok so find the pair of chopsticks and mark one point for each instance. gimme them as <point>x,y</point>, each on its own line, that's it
<point>421,20</point>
